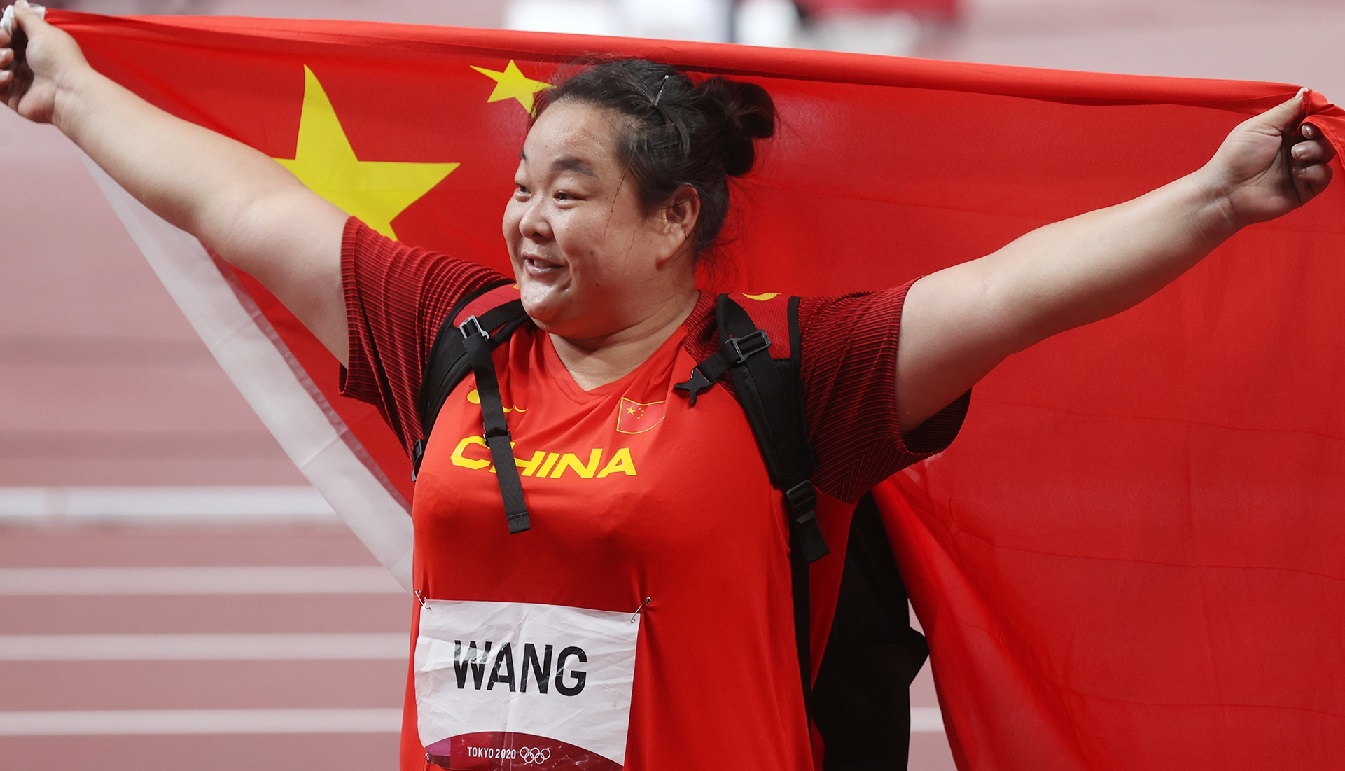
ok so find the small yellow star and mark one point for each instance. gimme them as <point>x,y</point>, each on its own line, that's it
<point>374,191</point>
<point>513,84</point>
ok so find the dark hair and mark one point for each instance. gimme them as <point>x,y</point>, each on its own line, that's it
<point>676,132</point>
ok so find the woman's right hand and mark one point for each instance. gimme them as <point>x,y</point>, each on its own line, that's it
<point>32,71</point>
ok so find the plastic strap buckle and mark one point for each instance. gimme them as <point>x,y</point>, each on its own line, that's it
<point>802,501</point>
<point>695,385</point>
<point>806,533</point>
<point>472,326</point>
<point>748,345</point>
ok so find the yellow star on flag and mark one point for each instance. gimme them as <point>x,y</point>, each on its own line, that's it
<point>513,84</point>
<point>374,191</point>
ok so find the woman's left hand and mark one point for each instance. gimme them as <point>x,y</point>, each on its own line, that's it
<point>1271,164</point>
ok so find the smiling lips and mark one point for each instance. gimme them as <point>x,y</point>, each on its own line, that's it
<point>537,267</point>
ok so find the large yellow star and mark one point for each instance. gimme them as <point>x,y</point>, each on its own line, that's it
<point>374,191</point>
<point>513,84</point>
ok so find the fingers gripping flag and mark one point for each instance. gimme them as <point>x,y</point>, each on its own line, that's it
<point>1131,557</point>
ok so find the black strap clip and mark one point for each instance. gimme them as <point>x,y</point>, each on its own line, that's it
<point>801,500</point>
<point>733,352</point>
<point>472,327</point>
<point>695,385</point>
<point>747,345</point>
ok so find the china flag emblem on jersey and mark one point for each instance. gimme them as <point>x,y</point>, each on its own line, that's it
<point>636,418</point>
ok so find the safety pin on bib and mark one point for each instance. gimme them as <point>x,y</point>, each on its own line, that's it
<point>636,615</point>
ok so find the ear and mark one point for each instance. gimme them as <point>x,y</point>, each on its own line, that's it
<point>677,219</point>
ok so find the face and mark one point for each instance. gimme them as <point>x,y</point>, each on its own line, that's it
<point>587,258</point>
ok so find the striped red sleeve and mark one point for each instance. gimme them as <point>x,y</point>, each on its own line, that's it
<point>396,298</point>
<point>848,346</point>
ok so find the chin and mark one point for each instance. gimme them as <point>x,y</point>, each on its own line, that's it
<point>547,306</point>
<point>554,321</point>
<point>543,314</point>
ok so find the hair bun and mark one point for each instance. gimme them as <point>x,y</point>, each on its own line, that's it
<point>745,113</point>
<point>676,131</point>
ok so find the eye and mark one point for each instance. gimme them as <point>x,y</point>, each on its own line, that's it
<point>521,190</point>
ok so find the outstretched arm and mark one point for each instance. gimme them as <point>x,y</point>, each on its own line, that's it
<point>240,203</point>
<point>960,322</point>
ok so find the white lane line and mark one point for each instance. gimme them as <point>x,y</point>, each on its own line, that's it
<point>176,721</point>
<point>197,580</point>
<point>239,721</point>
<point>19,504</point>
<point>204,647</point>
<point>200,721</point>
<point>926,720</point>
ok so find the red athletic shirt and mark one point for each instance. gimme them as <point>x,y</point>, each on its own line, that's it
<point>637,501</point>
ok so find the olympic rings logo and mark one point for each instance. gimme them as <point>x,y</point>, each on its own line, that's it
<point>534,756</point>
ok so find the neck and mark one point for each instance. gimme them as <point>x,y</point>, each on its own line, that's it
<point>598,361</point>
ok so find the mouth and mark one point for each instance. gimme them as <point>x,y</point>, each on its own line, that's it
<point>539,267</point>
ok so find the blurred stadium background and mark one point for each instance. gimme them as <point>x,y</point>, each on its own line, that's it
<point>171,592</point>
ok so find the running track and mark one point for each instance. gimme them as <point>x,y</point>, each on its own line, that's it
<point>186,669</point>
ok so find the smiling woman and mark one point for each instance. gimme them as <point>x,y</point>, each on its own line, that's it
<point>621,188</point>
<point>579,239</point>
<point>639,623</point>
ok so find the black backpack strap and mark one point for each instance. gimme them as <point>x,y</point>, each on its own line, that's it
<point>462,346</point>
<point>769,391</point>
<point>860,701</point>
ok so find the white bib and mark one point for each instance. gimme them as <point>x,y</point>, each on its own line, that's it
<point>503,685</point>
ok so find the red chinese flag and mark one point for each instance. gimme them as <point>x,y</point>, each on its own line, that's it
<point>1131,558</point>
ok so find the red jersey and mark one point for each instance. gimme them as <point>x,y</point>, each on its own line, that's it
<point>644,511</point>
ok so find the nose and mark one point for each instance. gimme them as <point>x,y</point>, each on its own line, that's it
<point>533,223</point>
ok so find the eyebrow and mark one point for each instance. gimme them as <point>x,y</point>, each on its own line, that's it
<point>567,163</point>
